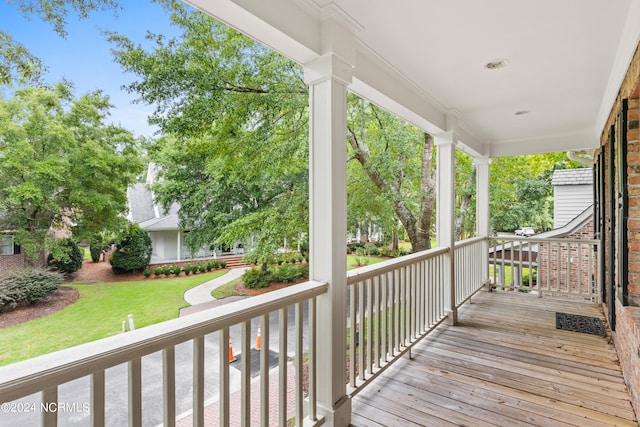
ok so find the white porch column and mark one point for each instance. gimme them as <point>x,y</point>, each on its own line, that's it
<point>482,208</point>
<point>328,78</point>
<point>179,252</point>
<point>445,220</point>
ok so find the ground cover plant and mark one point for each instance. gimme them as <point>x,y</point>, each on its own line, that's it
<point>97,314</point>
<point>20,288</point>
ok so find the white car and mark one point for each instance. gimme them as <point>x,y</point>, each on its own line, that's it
<point>525,232</point>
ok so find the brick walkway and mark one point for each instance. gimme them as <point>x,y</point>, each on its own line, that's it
<point>212,410</point>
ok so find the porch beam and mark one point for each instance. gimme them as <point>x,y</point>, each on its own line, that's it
<point>445,220</point>
<point>328,78</point>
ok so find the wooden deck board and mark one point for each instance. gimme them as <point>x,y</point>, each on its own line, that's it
<point>505,364</point>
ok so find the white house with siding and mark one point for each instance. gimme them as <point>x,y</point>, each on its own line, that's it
<point>572,194</point>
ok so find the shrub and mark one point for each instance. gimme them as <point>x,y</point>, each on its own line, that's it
<point>147,272</point>
<point>65,256</point>
<point>209,266</point>
<point>256,278</point>
<point>187,269</point>
<point>286,273</point>
<point>26,287</point>
<point>96,246</point>
<point>304,270</point>
<point>157,271</point>
<point>202,267</point>
<point>133,250</point>
<point>525,278</point>
<point>166,270</point>
<point>352,247</point>
<point>373,250</point>
<point>175,269</point>
<point>251,258</point>
<point>215,264</point>
<point>223,264</point>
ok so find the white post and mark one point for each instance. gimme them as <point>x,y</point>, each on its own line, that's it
<point>482,209</point>
<point>445,220</point>
<point>328,77</point>
<point>179,245</point>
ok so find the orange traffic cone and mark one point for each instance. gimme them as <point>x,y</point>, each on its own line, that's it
<point>231,356</point>
<point>258,339</point>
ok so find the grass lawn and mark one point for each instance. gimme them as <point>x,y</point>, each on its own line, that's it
<point>97,314</point>
<point>227,290</point>
<point>352,264</point>
<point>507,274</point>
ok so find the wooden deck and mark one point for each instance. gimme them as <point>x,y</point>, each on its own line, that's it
<point>505,364</point>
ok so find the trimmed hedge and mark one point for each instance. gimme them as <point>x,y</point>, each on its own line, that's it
<point>24,287</point>
<point>256,278</point>
<point>133,251</point>
<point>70,257</point>
<point>286,273</point>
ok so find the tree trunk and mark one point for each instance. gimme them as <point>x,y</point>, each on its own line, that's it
<point>395,244</point>
<point>464,205</point>
<point>427,192</point>
<point>418,229</point>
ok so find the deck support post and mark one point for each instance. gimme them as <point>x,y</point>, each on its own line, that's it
<point>445,222</point>
<point>328,78</point>
<point>482,210</point>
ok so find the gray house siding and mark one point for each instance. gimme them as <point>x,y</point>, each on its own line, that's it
<point>572,194</point>
<point>569,201</point>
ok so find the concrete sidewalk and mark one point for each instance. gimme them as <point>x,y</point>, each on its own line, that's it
<point>202,294</point>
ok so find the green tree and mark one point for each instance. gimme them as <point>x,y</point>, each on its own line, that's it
<point>398,159</point>
<point>16,62</point>
<point>60,165</point>
<point>133,250</point>
<point>465,206</point>
<point>235,116</point>
<point>521,190</point>
<point>235,155</point>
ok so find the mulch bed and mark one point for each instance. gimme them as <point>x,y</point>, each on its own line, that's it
<point>46,306</point>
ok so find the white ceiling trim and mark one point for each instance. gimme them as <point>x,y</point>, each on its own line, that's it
<point>551,144</point>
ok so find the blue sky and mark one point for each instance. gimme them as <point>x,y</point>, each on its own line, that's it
<point>84,56</point>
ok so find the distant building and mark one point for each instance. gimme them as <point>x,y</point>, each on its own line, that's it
<point>572,194</point>
<point>167,238</point>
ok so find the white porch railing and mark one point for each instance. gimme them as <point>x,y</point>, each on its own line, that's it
<point>470,267</point>
<point>555,267</point>
<point>47,373</point>
<point>392,305</point>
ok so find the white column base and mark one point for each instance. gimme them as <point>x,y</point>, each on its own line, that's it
<point>339,415</point>
<point>452,317</point>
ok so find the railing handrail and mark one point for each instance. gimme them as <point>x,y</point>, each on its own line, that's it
<point>469,242</point>
<point>370,271</point>
<point>544,239</point>
<point>30,376</point>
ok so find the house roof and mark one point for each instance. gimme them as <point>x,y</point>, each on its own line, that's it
<point>583,176</point>
<point>141,206</point>
<point>169,222</point>
<point>572,226</point>
<point>508,77</point>
<point>144,211</point>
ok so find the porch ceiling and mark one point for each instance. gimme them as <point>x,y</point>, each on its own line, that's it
<point>425,59</point>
